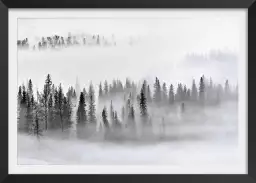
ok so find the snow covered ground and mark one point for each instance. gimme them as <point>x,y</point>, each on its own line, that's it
<point>215,151</point>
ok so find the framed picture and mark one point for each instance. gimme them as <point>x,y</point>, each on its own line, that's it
<point>155,89</point>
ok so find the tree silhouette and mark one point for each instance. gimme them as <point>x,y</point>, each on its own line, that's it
<point>104,117</point>
<point>194,93</point>
<point>157,92</point>
<point>106,87</point>
<point>143,102</point>
<point>100,90</point>
<point>201,90</point>
<point>164,92</point>
<point>60,105</point>
<point>171,94</point>
<point>81,111</point>
<point>149,97</point>
<point>91,109</point>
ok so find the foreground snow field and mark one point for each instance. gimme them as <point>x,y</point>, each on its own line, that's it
<point>204,155</point>
<point>216,149</point>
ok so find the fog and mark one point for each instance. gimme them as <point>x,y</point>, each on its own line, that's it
<point>187,49</point>
<point>191,140</point>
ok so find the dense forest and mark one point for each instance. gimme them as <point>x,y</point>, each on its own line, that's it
<point>121,111</point>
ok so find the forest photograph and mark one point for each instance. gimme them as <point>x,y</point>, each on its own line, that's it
<point>130,91</point>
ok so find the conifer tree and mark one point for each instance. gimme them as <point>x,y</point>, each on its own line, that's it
<point>184,93</point>
<point>111,113</point>
<point>91,105</point>
<point>74,93</point>
<point>24,96</point>
<point>60,105</point>
<point>164,92</point>
<point>131,116</point>
<point>81,111</point>
<point>143,102</point>
<point>179,94</point>
<point>227,89</point>
<point>201,90</point>
<point>86,98</point>
<point>19,94</point>
<point>46,94</point>
<point>188,94</point>
<point>116,120</point>
<point>149,97</point>
<point>100,90</point>
<point>67,111</point>
<point>194,93</point>
<point>36,126</point>
<point>105,118</point>
<point>106,88</point>
<point>51,110</point>
<point>171,94</point>
<point>157,92</point>
<point>114,86</point>
<point>30,88</point>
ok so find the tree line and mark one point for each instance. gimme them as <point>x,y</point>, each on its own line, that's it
<point>53,109</point>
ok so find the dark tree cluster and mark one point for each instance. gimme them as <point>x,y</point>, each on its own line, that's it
<point>57,41</point>
<point>116,88</point>
<point>52,109</point>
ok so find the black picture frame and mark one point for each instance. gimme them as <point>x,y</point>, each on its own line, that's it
<point>6,4</point>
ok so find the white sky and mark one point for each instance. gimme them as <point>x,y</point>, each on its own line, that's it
<point>163,42</point>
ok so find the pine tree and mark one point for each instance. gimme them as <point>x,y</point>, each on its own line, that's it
<point>131,116</point>
<point>100,91</point>
<point>48,83</point>
<point>28,99</point>
<point>188,95</point>
<point>51,110</point>
<point>184,92</point>
<point>111,112</point>
<point>114,86</point>
<point>116,120</point>
<point>46,94</point>
<point>36,127</point>
<point>179,93</point>
<point>32,100</point>
<point>201,90</point>
<point>60,105</point>
<point>24,97</point>
<point>143,102</point>
<point>81,111</point>
<point>30,88</point>
<point>194,93</point>
<point>85,95</point>
<point>149,97</point>
<point>105,117</point>
<point>106,87</point>
<point>227,89</point>
<point>110,89</point>
<point>74,93</point>
<point>157,92</point>
<point>91,110</point>
<point>67,111</point>
<point>29,113</point>
<point>164,92</point>
<point>19,94</point>
<point>171,94</point>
